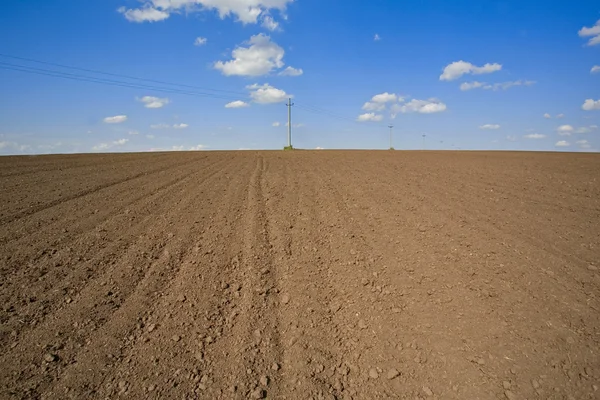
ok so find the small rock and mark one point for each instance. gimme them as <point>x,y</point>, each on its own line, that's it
<point>123,386</point>
<point>592,268</point>
<point>181,298</point>
<point>393,373</point>
<point>49,357</point>
<point>224,285</point>
<point>258,394</point>
<point>506,385</point>
<point>264,380</point>
<point>285,298</point>
<point>151,327</point>
<point>535,384</point>
<point>510,395</point>
<point>364,281</point>
<point>570,340</point>
<point>176,338</point>
<point>68,300</point>
<point>362,324</point>
<point>373,374</point>
<point>275,367</point>
<point>481,361</point>
<point>427,391</point>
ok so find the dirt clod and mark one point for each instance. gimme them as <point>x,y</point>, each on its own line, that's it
<point>393,373</point>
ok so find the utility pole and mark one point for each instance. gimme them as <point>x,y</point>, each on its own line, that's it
<point>391,128</point>
<point>423,141</point>
<point>289,106</point>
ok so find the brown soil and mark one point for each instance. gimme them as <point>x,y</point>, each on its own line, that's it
<point>300,275</point>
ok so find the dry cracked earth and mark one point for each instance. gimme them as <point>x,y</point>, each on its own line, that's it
<point>300,275</point>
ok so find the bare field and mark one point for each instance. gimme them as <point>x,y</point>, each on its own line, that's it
<point>300,275</point>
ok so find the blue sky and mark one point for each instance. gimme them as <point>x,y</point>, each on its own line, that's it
<point>467,74</point>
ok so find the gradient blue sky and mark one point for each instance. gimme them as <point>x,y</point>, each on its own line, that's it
<point>529,59</point>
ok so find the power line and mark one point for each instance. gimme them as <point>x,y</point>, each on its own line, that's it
<point>316,110</point>
<point>104,81</point>
<point>119,75</point>
<point>135,85</point>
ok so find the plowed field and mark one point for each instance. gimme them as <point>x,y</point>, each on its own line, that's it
<point>300,275</point>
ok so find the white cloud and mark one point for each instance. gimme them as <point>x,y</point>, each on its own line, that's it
<point>319,148</point>
<point>594,32</point>
<point>511,138</point>
<point>198,147</point>
<point>494,86</point>
<point>459,68</point>
<point>246,11</point>
<point>583,144</point>
<point>159,126</point>
<point>106,146</point>
<point>200,41</point>
<point>562,143</point>
<point>369,117</point>
<point>384,98</point>
<point>586,129</point>
<point>276,124</point>
<point>145,14</point>
<point>370,106</point>
<point>154,102</point>
<point>259,58</point>
<point>590,105</point>
<point>14,146</point>
<point>117,119</point>
<point>595,69</point>
<point>471,85</point>
<point>535,136</point>
<point>420,106</point>
<point>560,115</point>
<point>120,142</point>
<point>133,132</point>
<point>506,85</point>
<point>150,136</point>
<point>237,104</point>
<point>101,146</point>
<point>267,94</point>
<point>269,23</point>
<point>291,71</point>
<point>547,116</point>
<point>180,126</point>
<point>377,38</point>
<point>565,130</point>
<point>490,126</point>
<point>295,125</point>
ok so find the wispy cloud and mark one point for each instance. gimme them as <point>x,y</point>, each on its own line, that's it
<point>117,119</point>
